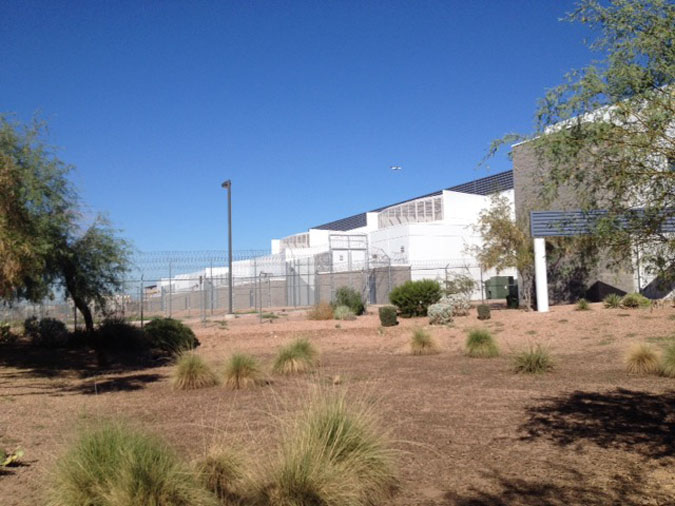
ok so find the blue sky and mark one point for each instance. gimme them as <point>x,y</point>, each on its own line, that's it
<point>303,104</point>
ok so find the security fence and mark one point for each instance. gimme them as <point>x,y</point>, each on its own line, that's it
<point>195,285</point>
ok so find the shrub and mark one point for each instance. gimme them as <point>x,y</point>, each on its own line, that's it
<point>422,343</point>
<point>668,361</point>
<point>346,296</point>
<point>483,312</point>
<point>114,465</point>
<point>221,472</point>
<point>388,316</point>
<point>170,336</point>
<point>612,301</point>
<point>344,313</point>
<point>191,373</point>
<point>298,356</point>
<point>440,313</point>
<point>118,334</point>
<point>46,332</point>
<point>534,360</point>
<point>6,334</point>
<point>635,300</point>
<point>332,453</point>
<point>322,311</point>
<point>642,359</point>
<point>582,305</point>
<point>413,298</point>
<point>242,371</point>
<point>460,284</point>
<point>481,344</point>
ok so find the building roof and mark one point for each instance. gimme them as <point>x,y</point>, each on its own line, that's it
<point>483,186</point>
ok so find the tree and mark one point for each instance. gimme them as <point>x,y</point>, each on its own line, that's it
<point>40,247</point>
<point>607,133</point>
<point>505,243</point>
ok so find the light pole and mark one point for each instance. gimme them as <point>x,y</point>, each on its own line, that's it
<point>228,184</point>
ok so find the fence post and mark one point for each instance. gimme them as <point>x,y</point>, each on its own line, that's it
<point>142,300</point>
<point>170,288</point>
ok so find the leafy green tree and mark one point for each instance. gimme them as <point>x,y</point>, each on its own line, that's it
<point>505,244</point>
<point>607,133</point>
<point>41,248</point>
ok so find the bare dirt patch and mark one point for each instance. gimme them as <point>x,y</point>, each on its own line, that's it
<point>470,431</point>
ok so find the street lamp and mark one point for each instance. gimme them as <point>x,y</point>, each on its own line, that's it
<point>228,184</point>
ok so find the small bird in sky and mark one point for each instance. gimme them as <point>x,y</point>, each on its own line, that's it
<point>395,167</point>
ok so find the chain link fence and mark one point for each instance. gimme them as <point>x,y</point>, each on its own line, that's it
<point>195,285</point>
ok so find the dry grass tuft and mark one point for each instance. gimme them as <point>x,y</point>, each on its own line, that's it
<point>668,361</point>
<point>242,371</point>
<point>221,471</point>
<point>642,359</point>
<point>534,360</point>
<point>422,343</point>
<point>191,373</point>
<point>481,344</point>
<point>332,453</point>
<point>296,357</point>
<point>322,311</point>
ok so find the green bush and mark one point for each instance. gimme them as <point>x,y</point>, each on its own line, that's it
<point>388,316</point>
<point>612,301</point>
<point>483,312</point>
<point>481,344</point>
<point>635,300</point>
<point>344,313</point>
<point>583,305</point>
<point>170,336</point>
<point>47,332</point>
<point>534,360</point>
<point>413,298</point>
<point>114,465</point>
<point>346,296</point>
<point>120,335</point>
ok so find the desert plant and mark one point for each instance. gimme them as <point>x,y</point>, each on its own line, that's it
<point>387,316</point>
<point>642,359</point>
<point>440,313</point>
<point>460,284</point>
<point>332,453</point>
<point>583,305</point>
<point>668,361</point>
<point>221,471</point>
<point>346,296</point>
<point>612,301</point>
<point>114,465</point>
<point>534,360</point>
<point>635,300</point>
<point>118,334</point>
<point>344,313</point>
<point>413,298</point>
<point>191,373</point>
<point>483,311</point>
<point>242,371</point>
<point>322,311</point>
<point>170,336</point>
<point>461,304</point>
<point>481,344</point>
<point>422,343</point>
<point>296,357</point>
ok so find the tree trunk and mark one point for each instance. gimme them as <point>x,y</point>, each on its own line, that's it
<point>99,348</point>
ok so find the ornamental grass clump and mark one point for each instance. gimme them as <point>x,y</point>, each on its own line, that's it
<point>115,465</point>
<point>642,359</point>
<point>612,301</point>
<point>534,360</point>
<point>422,343</point>
<point>242,371</point>
<point>296,357</point>
<point>635,301</point>
<point>668,361</point>
<point>332,453</point>
<point>222,472</point>
<point>192,373</point>
<point>481,344</point>
<point>583,305</point>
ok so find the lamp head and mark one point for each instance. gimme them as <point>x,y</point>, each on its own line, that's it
<point>226,184</point>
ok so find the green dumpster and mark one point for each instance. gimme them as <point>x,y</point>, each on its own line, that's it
<point>497,287</point>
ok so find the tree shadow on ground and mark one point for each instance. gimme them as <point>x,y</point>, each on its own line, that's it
<point>629,420</point>
<point>118,384</point>
<point>574,490</point>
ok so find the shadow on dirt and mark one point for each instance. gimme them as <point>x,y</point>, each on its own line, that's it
<point>633,421</point>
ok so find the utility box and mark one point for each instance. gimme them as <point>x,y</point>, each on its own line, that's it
<point>497,287</point>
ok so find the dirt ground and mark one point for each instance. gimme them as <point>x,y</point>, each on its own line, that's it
<point>470,431</point>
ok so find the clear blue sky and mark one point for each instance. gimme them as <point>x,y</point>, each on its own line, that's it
<point>303,104</point>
